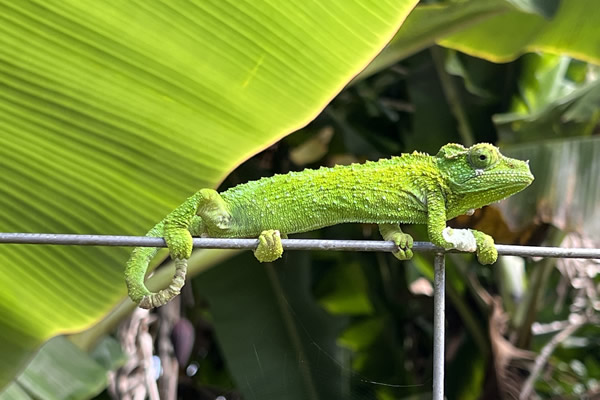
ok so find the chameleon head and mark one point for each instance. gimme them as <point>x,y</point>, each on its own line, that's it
<point>480,175</point>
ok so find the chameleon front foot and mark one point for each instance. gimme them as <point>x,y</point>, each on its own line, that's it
<point>469,240</point>
<point>269,246</point>
<point>486,250</point>
<point>405,243</point>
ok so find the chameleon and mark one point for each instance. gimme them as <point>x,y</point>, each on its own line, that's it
<point>415,188</point>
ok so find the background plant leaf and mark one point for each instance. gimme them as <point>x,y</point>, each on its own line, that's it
<point>112,113</point>
<point>571,31</point>
<point>431,22</point>
<point>496,30</point>
<point>287,348</point>
<point>566,188</point>
<point>83,377</point>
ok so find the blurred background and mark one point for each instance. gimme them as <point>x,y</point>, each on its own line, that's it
<point>330,325</point>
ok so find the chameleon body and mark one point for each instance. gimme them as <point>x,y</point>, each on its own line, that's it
<point>413,188</point>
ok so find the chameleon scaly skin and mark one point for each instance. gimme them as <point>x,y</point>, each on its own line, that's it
<point>412,189</point>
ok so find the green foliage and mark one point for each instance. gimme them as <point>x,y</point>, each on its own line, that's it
<point>568,30</point>
<point>82,377</point>
<point>345,291</point>
<point>272,332</point>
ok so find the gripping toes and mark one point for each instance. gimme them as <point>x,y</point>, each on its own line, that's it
<point>405,243</point>
<point>486,250</point>
<point>269,246</point>
<point>179,241</point>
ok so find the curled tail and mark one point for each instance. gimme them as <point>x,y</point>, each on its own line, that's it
<point>136,269</point>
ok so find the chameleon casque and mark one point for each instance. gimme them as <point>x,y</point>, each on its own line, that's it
<point>412,188</point>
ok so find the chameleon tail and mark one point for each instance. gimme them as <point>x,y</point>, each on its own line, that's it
<point>135,273</point>
<point>163,296</point>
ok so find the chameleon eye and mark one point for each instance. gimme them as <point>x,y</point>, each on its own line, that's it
<point>482,156</point>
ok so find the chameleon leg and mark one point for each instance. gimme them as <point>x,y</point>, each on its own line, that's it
<point>175,228</point>
<point>196,226</point>
<point>403,240</point>
<point>269,246</point>
<point>436,223</point>
<point>486,250</point>
<point>436,219</point>
<point>213,210</point>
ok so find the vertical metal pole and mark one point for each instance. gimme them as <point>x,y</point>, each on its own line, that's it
<point>439,316</point>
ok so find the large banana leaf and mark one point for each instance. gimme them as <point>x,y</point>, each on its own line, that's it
<point>112,112</point>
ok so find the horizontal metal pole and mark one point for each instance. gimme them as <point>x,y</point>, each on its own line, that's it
<point>288,244</point>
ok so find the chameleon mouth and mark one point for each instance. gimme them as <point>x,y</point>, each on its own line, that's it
<point>509,177</point>
<point>517,177</point>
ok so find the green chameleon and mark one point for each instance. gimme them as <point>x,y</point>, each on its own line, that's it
<point>411,189</point>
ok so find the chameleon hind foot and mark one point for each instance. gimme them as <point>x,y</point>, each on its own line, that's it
<point>269,246</point>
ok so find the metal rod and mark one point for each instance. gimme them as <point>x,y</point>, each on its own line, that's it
<point>288,244</point>
<point>439,319</point>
